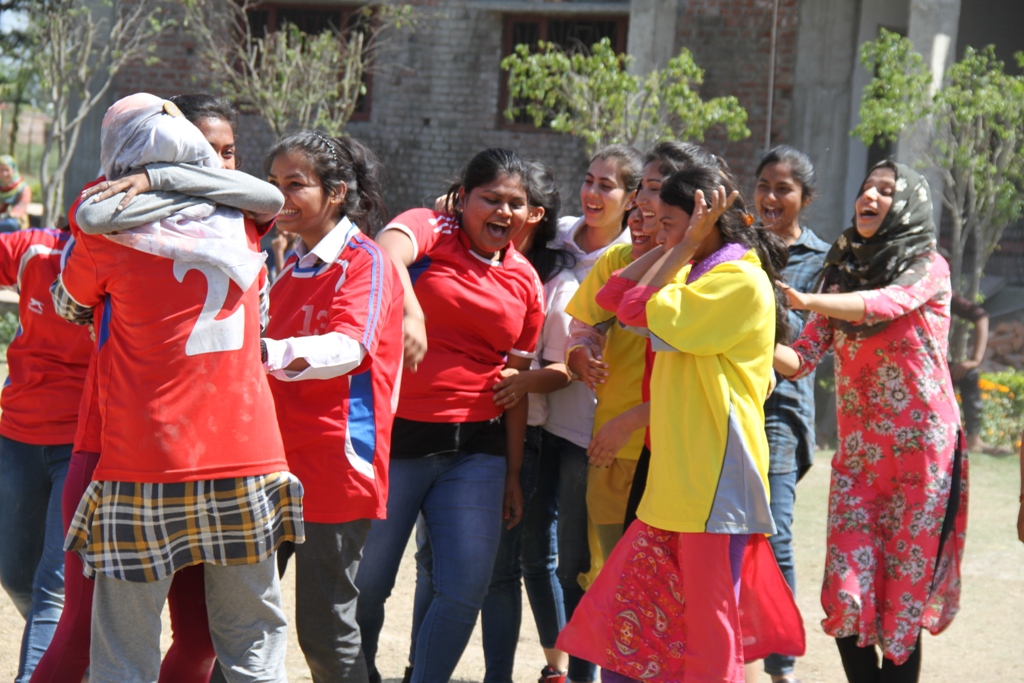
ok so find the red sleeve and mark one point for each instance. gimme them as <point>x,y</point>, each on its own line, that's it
<point>79,276</point>
<point>262,230</point>
<point>610,295</point>
<point>13,246</point>
<point>359,309</point>
<point>526,345</point>
<point>424,227</point>
<point>633,308</point>
<point>75,230</point>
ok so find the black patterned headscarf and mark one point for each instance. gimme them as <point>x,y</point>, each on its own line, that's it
<point>899,252</point>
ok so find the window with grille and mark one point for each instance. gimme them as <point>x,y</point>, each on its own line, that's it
<point>269,17</point>
<point>569,33</point>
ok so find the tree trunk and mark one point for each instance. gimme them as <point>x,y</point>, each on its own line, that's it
<point>13,140</point>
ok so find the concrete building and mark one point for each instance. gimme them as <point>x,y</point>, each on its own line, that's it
<point>441,97</point>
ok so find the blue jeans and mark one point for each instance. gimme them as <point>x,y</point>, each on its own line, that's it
<point>783,495</point>
<point>32,552</point>
<point>461,499</point>
<point>502,611</point>
<point>556,520</point>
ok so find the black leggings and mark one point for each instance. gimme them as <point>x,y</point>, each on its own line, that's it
<point>861,664</point>
<point>636,490</point>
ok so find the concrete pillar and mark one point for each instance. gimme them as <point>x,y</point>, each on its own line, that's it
<point>652,34</point>
<point>874,14</point>
<point>933,31</point>
<point>820,123</point>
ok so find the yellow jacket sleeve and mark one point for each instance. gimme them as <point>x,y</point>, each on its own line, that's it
<point>583,305</point>
<point>714,313</point>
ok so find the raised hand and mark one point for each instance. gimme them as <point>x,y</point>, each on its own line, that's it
<point>703,219</point>
<point>131,185</point>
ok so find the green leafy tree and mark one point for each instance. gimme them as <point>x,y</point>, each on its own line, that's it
<point>593,96</point>
<point>19,83</point>
<point>78,48</point>
<point>976,143</point>
<point>19,77</point>
<point>292,79</point>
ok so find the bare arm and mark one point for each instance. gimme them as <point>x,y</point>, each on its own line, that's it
<point>615,434</point>
<point>637,269</point>
<point>516,384</point>
<point>515,430</point>
<point>786,362</point>
<point>400,248</point>
<point>847,306</point>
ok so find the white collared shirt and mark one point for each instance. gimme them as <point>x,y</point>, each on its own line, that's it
<point>329,355</point>
<point>568,228</point>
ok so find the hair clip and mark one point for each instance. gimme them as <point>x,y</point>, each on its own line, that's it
<point>330,145</point>
<point>748,219</point>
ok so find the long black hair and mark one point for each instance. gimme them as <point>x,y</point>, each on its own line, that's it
<point>542,192</point>
<point>342,160</point>
<point>672,156</point>
<point>197,107</point>
<point>484,168</point>
<point>680,190</point>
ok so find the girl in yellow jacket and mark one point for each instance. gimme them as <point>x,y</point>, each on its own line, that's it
<point>666,605</point>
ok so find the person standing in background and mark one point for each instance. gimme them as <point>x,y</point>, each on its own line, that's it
<point>786,184</point>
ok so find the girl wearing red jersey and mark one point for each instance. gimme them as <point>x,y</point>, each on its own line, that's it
<point>333,349</point>
<point>47,366</point>
<point>473,306</point>
<point>192,655</point>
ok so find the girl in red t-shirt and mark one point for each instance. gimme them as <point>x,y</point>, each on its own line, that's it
<point>333,350</point>
<point>473,307</point>
<point>190,657</point>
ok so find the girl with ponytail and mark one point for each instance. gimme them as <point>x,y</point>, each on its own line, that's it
<point>708,301</point>
<point>333,350</point>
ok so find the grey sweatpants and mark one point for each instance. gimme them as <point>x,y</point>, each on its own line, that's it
<point>325,600</point>
<point>247,625</point>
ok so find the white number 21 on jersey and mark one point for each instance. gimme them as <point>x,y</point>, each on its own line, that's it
<point>209,334</point>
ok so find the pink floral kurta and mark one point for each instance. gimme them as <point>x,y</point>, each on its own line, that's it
<point>893,473</point>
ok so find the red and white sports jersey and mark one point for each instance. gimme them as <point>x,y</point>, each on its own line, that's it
<point>337,431</point>
<point>89,432</point>
<point>47,361</point>
<point>477,313</point>
<point>181,392</point>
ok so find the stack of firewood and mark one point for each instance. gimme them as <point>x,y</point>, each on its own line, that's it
<point>1005,347</point>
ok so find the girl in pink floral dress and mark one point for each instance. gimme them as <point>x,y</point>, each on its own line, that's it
<point>898,500</point>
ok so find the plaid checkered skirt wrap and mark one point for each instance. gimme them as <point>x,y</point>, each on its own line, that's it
<point>146,532</point>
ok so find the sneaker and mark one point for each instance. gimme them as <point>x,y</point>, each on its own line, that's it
<point>549,674</point>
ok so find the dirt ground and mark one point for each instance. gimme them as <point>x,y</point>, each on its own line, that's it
<point>983,644</point>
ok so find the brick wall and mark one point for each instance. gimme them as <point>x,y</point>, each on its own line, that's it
<point>178,70</point>
<point>435,99</point>
<point>434,104</point>
<point>731,41</point>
